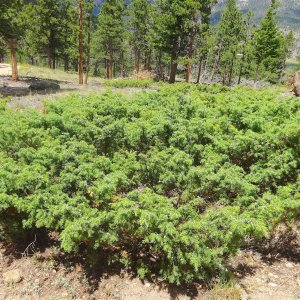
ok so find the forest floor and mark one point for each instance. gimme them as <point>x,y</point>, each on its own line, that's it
<point>268,272</point>
<point>22,97</point>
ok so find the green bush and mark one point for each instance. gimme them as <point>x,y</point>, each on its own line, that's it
<point>127,83</point>
<point>173,180</point>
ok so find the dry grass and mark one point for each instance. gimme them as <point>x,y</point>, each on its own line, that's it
<point>222,292</point>
<point>143,75</point>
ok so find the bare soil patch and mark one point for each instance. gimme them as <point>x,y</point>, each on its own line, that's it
<point>271,271</point>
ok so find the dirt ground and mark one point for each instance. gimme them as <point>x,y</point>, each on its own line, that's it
<point>22,97</point>
<point>270,272</point>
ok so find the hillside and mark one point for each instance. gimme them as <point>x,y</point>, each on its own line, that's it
<point>289,11</point>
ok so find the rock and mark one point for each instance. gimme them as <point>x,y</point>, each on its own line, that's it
<point>289,265</point>
<point>296,84</point>
<point>271,284</point>
<point>13,276</point>
<point>44,85</point>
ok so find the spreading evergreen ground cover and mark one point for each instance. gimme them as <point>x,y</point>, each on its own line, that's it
<point>173,181</point>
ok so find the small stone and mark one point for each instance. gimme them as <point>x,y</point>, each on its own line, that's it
<point>147,284</point>
<point>289,265</point>
<point>271,284</point>
<point>13,276</point>
<point>273,275</point>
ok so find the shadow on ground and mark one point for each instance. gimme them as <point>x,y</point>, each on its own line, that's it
<point>95,268</point>
<point>29,86</point>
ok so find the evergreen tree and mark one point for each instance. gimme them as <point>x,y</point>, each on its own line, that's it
<point>230,32</point>
<point>110,33</point>
<point>10,30</point>
<point>269,47</point>
<point>80,39</point>
<point>140,11</point>
<point>197,34</point>
<point>90,22</point>
<point>53,29</point>
<point>2,49</point>
<point>175,27</point>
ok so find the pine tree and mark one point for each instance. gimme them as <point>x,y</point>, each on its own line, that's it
<point>110,33</point>
<point>52,30</point>
<point>2,49</point>
<point>140,11</point>
<point>269,47</point>
<point>199,27</point>
<point>174,29</point>
<point>80,39</point>
<point>230,32</point>
<point>10,30</point>
<point>89,21</point>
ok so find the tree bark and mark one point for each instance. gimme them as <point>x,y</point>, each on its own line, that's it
<point>49,56</point>
<point>122,64</point>
<point>13,59</point>
<point>190,56</point>
<point>87,67</point>
<point>148,60</point>
<point>53,60</point>
<point>256,75</point>
<point>110,66</point>
<point>173,68</point>
<point>137,60</point>
<point>159,66</point>
<point>66,64</point>
<point>216,65</point>
<point>199,71</point>
<point>231,70</point>
<point>80,58</point>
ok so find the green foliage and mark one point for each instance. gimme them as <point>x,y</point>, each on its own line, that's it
<point>51,29</point>
<point>123,83</point>
<point>110,34</point>
<point>173,180</point>
<point>269,46</point>
<point>230,34</point>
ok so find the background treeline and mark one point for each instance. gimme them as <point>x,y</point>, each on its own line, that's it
<point>166,37</point>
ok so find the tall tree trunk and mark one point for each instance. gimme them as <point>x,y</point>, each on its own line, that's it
<point>110,66</point>
<point>66,64</point>
<point>80,38</point>
<point>190,56</point>
<point>173,67</point>
<point>231,69</point>
<point>216,65</point>
<point>122,64</point>
<point>49,56</point>
<point>199,70</point>
<point>256,74</point>
<point>241,68</point>
<point>13,59</point>
<point>53,60</point>
<point>148,60</point>
<point>87,66</point>
<point>159,66</point>
<point>137,60</point>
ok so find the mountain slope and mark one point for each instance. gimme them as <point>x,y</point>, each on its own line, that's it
<point>288,12</point>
